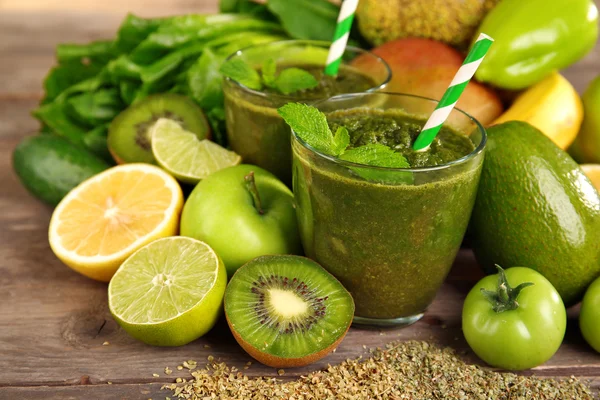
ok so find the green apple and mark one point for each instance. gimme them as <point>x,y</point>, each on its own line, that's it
<point>242,212</point>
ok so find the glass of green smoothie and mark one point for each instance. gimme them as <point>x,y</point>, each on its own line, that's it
<point>390,235</point>
<point>255,130</point>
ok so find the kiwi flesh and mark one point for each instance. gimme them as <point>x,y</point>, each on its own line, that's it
<point>129,133</point>
<point>287,311</point>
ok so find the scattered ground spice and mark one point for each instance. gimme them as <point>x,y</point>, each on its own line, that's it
<point>404,370</point>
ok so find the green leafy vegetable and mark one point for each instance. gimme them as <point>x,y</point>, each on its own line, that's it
<point>94,82</point>
<point>241,72</point>
<point>204,80</point>
<point>292,80</point>
<point>248,7</point>
<point>306,19</point>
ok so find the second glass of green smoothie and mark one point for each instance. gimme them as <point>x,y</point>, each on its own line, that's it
<point>390,235</point>
<point>255,130</point>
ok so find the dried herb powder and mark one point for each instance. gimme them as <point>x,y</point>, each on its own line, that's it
<point>404,370</point>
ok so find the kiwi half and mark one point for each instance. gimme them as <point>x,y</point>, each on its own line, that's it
<point>287,311</point>
<point>129,132</point>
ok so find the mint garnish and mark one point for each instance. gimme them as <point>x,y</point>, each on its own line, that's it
<point>269,72</point>
<point>341,140</point>
<point>238,70</point>
<point>377,155</point>
<point>311,126</point>
<point>290,80</point>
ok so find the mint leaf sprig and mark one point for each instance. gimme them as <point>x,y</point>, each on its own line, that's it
<point>289,80</point>
<point>311,126</point>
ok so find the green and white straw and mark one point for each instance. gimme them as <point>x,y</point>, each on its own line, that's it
<point>450,97</point>
<point>340,38</point>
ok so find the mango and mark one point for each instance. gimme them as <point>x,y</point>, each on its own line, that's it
<point>425,68</point>
<point>553,106</point>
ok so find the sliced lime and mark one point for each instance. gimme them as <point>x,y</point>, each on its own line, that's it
<point>169,292</point>
<point>185,156</point>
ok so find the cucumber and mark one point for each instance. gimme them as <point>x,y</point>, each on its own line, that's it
<point>50,166</point>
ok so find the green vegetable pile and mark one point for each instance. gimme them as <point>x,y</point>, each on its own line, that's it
<point>93,83</point>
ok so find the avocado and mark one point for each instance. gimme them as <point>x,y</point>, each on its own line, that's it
<point>453,22</point>
<point>50,166</point>
<point>536,208</point>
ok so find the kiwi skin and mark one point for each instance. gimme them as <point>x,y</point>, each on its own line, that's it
<point>281,362</point>
<point>125,144</point>
<point>278,362</point>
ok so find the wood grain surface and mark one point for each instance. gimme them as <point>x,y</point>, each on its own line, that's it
<point>53,322</point>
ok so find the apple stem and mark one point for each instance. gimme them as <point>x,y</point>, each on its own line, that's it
<point>253,190</point>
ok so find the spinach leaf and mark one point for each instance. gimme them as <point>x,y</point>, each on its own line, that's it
<point>100,51</point>
<point>216,119</point>
<point>247,7</point>
<point>65,75</point>
<point>306,19</point>
<point>204,80</point>
<point>55,116</point>
<point>97,107</point>
<point>95,141</point>
<point>133,30</point>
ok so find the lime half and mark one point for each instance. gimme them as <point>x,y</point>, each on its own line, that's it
<point>185,156</point>
<point>169,292</point>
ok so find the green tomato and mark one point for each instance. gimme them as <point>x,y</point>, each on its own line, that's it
<point>242,212</point>
<point>589,316</point>
<point>515,319</point>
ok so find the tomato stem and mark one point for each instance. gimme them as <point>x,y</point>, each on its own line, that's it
<point>505,297</point>
<point>253,190</point>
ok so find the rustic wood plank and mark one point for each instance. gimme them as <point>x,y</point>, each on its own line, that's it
<point>55,321</point>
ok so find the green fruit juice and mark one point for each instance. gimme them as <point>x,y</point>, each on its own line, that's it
<point>392,241</point>
<point>255,130</point>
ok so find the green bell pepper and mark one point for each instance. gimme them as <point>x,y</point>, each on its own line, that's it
<point>534,38</point>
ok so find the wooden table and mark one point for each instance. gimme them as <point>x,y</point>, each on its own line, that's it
<point>54,322</point>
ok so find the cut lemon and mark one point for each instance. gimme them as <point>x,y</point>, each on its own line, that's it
<point>169,292</point>
<point>185,156</point>
<point>106,218</point>
<point>593,172</point>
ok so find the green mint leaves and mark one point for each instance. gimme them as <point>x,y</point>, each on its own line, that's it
<point>290,80</point>
<point>241,72</point>
<point>377,155</point>
<point>311,126</point>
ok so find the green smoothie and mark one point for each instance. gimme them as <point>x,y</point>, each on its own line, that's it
<point>257,132</point>
<point>390,243</point>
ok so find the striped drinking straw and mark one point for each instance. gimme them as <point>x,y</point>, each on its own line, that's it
<point>450,97</point>
<point>340,38</point>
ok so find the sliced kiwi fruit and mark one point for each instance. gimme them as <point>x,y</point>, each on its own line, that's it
<point>129,134</point>
<point>287,311</point>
